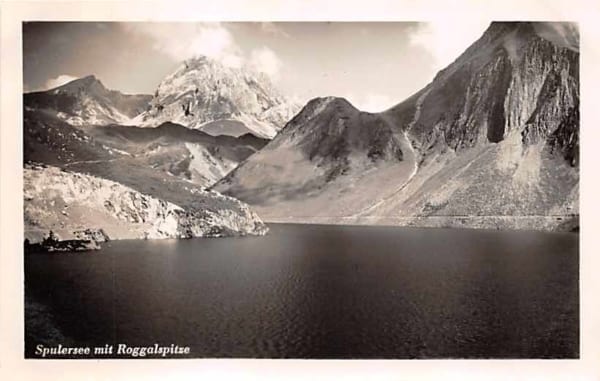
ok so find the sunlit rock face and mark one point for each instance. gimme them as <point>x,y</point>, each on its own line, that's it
<point>491,142</point>
<point>76,206</point>
<point>220,100</point>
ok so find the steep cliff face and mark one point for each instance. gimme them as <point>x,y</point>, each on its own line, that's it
<point>204,94</point>
<point>512,78</point>
<point>498,133</point>
<point>74,206</point>
<point>492,141</point>
<point>86,101</point>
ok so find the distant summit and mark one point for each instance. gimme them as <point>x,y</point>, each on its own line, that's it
<point>85,101</point>
<point>207,95</point>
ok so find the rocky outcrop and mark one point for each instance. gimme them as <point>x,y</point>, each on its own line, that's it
<point>96,235</point>
<point>52,243</point>
<point>78,207</point>
<point>492,141</point>
<point>204,94</point>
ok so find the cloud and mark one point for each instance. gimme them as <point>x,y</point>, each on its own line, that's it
<point>372,102</point>
<point>181,41</point>
<point>446,40</point>
<point>58,81</point>
<point>264,60</point>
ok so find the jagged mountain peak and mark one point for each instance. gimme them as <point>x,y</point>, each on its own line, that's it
<point>203,69</point>
<point>203,93</point>
<point>201,62</point>
<point>204,63</point>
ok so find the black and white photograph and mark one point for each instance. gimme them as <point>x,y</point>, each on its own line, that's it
<point>303,190</point>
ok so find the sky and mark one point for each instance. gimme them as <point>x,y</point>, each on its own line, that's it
<point>374,65</point>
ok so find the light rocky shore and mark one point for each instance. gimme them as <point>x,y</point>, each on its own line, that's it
<point>76,206</point>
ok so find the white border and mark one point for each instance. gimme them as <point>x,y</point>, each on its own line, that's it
<point>12,364</point>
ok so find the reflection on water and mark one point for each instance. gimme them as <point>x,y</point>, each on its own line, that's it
<point>322,292</point>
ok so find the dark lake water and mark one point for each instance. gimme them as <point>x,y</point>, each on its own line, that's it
<point>316,291</point>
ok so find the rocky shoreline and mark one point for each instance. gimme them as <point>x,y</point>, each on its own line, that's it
<point>567,223</point>
<point>70,211</point>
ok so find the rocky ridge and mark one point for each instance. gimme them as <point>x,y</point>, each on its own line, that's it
<point>492,141</point>
<point>170,151</point>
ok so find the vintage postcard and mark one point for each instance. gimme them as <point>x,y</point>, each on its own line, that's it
<point>309,189</point>
<point>194,189</point>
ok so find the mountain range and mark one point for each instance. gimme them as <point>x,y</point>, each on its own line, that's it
<point>491,142</point>
<point>87,131</point>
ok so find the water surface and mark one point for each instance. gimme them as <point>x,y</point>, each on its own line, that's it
<point>317,291</point>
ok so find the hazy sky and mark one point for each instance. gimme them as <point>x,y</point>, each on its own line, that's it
<point>373,65</point>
